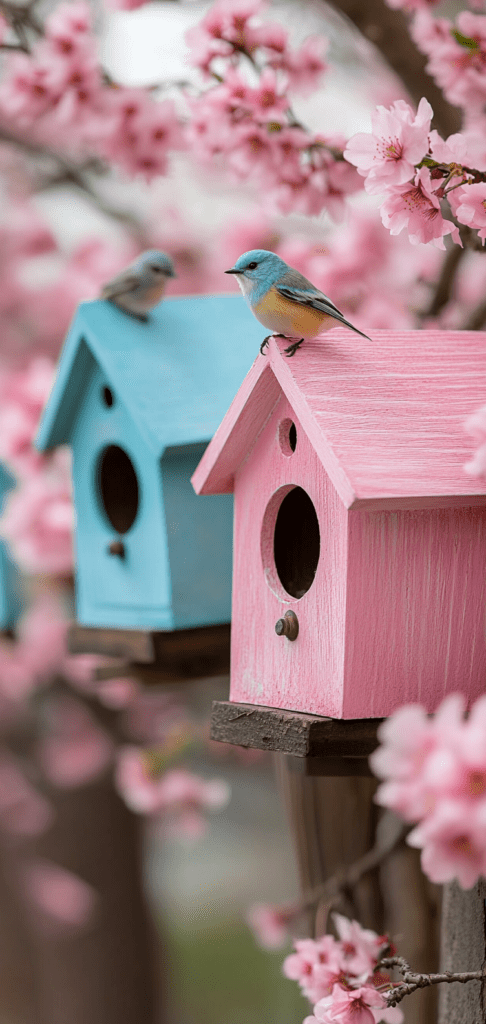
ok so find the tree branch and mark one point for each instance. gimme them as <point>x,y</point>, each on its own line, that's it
<point>413,981</point>
<point>444,285</point>
<point>388,30</point>
<point>66,173</point>
<point>391,832</point>
<point>477,319</point>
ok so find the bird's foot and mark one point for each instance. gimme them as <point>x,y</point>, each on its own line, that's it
<point>267,339</point>
<point>292,349</point>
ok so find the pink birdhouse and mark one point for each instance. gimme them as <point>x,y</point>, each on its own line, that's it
<point>359,579</point>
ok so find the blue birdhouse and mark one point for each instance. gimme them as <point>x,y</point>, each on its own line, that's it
<point>10,601</point>
<point>138,403</point>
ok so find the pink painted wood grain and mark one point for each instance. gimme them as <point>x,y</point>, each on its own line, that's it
<point>415,608</point>
<point>396,612</point>
<point>305,674</point>
<point>385,417</point>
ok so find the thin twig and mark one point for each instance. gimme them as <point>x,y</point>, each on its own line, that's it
<point>413,981</point>
<point>443,288</point>
<point>331,891</point>
<point>477,319</point>
<point>67,173</point>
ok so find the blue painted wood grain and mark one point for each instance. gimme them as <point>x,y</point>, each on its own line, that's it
<point>10,596</point>
<point>172,380</point>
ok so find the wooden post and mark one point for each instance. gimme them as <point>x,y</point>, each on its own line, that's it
<point>107,973</point>
<point>332,822</point>
<point>463,949</point>
<point>328,791</point>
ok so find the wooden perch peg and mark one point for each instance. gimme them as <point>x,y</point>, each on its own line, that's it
<point>117,547</point>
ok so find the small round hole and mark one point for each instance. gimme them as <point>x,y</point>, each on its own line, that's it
<point>108,397</point>
<point>287,437</point>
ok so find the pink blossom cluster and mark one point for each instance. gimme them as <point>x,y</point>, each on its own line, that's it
<point>244,120</point>
<point>434,772</point>
<point>456,54</point>
<point>59,87</point>
<point>234,27</point>
<point>176,795</point>
<point>270,925</point>
<point>341,976</point>
<point>38,653</point>
<point>419,172</point>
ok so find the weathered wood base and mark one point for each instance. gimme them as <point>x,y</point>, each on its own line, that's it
<point>318,746</point>
<point>159,657</point>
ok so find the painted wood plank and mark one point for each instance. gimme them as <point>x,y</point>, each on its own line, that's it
<point>238,432</point>
<point>416,593</point>
<point>391,412</point>
<point>157,657</point>
<point>305,674</point>
<point>303,736</point>
<point>386,418</point>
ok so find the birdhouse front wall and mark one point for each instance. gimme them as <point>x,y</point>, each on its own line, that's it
<point>10,602</point>
<point>416,599</point>
<point>282,562</point>
<point>200,543</point>
<point>118,497</point>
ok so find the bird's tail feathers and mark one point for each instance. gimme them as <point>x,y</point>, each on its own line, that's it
<point>346,323</point>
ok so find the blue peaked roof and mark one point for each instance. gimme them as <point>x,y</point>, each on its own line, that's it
<point>176,374</point>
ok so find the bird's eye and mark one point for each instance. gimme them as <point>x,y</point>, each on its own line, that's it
<point>157,270</point>
<point>252,266</point>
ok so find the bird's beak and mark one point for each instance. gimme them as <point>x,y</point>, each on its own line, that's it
<point>232,271</point>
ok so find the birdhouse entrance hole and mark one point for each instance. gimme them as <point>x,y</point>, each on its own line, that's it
<point>290,542</point>
<point>118,488</point>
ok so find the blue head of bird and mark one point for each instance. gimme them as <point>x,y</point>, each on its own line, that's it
<point>154,267</point>
<point>256,271</point>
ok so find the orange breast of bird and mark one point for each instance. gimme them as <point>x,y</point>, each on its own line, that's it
<point>291,318</point>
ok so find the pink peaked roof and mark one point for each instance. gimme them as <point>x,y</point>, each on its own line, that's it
<point>385,417</point>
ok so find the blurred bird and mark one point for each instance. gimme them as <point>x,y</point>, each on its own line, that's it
<point>139,287</point>
<point>284,300</point>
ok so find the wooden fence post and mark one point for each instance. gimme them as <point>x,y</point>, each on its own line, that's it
<point>463,949</point>
<point>107,973</point>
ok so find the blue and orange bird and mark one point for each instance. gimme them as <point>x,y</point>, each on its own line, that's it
<point>138,288</point>
<point>284,300</point>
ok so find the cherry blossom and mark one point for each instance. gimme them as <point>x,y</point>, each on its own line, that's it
<point>316,964</point>
<point>177,794</point>
<point>63,900</point>
<point>350,1006</point>
<point>270,925</point>
<point>397,143</point>
<point>38,520</point>
<point>435,772</point>
<point>74,750</point>
<point>457,55</point>
<point>469,204</point>
<point>359,947</point>
<point>23,396</point>
<point>453,841</point>
<point>416,206</point>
